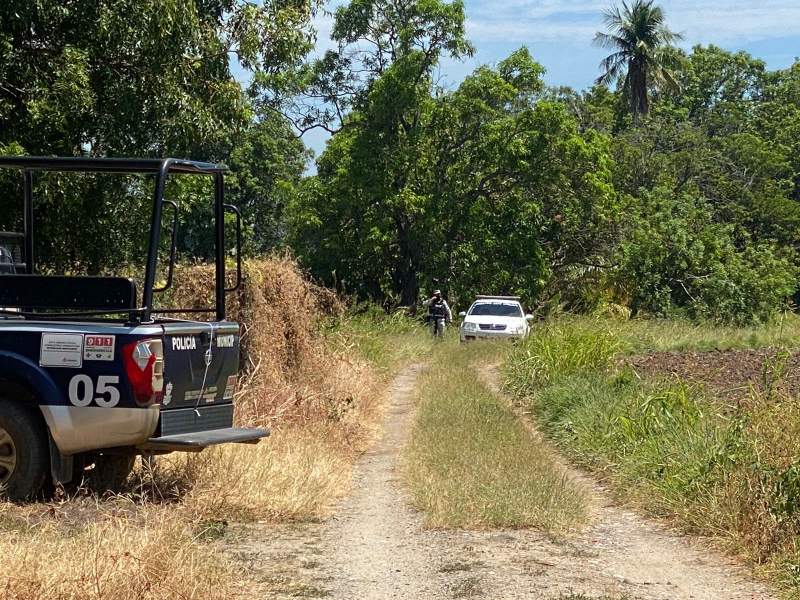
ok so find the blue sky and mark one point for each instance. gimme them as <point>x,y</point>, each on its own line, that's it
<point>559,34</point>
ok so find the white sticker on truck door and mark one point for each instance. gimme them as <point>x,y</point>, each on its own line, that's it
<point>61,350</point>
<point>99,347</point>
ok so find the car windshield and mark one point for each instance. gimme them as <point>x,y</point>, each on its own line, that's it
<point>493,309</point>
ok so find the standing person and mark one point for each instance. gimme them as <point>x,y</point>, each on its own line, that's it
<point>438,312</point>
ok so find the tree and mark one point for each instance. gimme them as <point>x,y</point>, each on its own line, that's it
<point>676,258</point>
<point>370,37</point>
<point>266,162</point>
<point>130,78</point>
<point>643,53</point>
<point>376,89</point>
<point>492,189</point>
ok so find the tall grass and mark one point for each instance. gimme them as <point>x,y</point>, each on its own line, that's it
<point>560,350</point>
<point>386,342</point>
<point>471,463</point>
<point>666,446</point>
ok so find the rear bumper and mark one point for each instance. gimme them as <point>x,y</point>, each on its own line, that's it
<point>198,440</point>
<point>189,420</point>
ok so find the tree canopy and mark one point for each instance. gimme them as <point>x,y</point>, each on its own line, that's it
<point>142,78</point>
<point>503,185</point>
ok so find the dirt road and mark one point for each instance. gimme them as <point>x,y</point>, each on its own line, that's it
<point>376,548</point>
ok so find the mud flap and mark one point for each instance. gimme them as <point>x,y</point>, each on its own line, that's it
<point>61,467</point>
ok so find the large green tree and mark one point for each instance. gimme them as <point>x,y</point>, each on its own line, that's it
<point>375,91</point>
<point>135,78</point>
<point>491,190</point>
<point>371,37</point>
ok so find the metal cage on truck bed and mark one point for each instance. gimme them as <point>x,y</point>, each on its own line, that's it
<point>21,289</point>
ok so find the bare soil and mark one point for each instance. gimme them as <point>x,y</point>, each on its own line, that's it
<point>376,547</point>
<point>731,375</point>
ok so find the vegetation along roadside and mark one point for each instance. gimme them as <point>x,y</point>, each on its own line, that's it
<point>639,404</point>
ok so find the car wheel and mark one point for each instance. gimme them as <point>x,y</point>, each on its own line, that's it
<point>24,452</point>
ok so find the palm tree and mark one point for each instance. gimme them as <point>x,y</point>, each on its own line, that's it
<point>644,55</point>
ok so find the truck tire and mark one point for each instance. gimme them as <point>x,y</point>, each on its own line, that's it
<point>24,452</point>
<point>103,472</point>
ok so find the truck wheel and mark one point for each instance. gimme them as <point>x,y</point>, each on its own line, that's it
<point>24,452</point>
<point>109,473</point>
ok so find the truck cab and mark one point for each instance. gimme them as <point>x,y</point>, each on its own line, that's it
<point>93,372</point>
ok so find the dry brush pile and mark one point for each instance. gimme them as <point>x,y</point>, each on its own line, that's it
<point>320,403</point>
<point>151,542</point>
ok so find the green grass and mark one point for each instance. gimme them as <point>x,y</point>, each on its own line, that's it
<point>640,335</point>
<point>471,463</point>
<point>666,447</point>
<point>385,341</point>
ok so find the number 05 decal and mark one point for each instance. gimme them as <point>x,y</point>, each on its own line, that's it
<point>82,391</point>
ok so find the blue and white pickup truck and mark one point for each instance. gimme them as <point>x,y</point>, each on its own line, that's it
<point>89,376</point>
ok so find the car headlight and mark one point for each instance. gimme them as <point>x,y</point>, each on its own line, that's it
<point>470,326</point>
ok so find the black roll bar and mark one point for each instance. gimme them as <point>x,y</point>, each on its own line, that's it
<point>28,223</point>
<point>219,225</point>
<point>155,238</point>
<point>173,247</point>
<point>110,165</point>
<point>161,168</point>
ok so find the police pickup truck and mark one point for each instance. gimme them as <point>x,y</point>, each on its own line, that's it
<point>92,373</point>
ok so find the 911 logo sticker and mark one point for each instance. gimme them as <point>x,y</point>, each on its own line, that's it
<point>99,347</point>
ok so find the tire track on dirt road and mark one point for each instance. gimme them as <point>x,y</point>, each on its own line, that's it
<point>374,538</point>
<point>376,547</point>
<point>651,561</point>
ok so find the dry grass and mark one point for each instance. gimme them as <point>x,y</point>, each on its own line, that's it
<point>294,476</point>
<point>290,373</point>
<point>114,555</point>
<point>322,402</point>
<point>471,463</point>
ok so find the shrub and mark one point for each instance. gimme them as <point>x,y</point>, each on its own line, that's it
<point>677,259</point>
<point>558,350</point>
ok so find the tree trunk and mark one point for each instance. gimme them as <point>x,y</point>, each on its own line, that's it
<point>406,278</point>
<point>639,101</point>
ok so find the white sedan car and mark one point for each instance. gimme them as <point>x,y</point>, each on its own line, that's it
<point>495,317</point>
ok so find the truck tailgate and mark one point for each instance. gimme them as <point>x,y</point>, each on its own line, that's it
<point>201,363</point>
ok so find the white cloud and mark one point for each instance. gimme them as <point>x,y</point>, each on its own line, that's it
<point>711,21</point>
<point>520,32</point>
